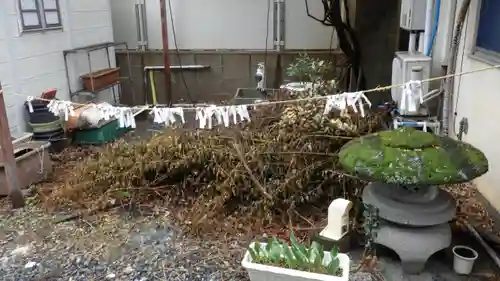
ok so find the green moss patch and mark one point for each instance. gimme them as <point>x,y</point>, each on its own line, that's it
<point>411,157</point>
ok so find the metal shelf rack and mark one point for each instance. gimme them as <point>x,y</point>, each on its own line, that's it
<point>88,50</point>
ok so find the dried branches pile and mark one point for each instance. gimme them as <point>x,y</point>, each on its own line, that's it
<point>285,159</point>
<point>267,168</point>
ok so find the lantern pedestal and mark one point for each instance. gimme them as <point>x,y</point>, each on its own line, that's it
<point>413,222</point>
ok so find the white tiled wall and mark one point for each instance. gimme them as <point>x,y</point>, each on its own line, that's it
<point>32,62</point>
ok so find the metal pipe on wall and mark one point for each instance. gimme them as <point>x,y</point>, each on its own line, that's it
<point>144,21</point>
<point>428,24</point>
<point>452,12</point>
<point>166,59</point>
<point>412,42</point>
<point>452,63</point>
<point>277,6</point>
<point>421,47</point>
<point>141,26</point>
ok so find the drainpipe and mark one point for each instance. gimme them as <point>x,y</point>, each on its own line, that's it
<point>412,42</point>
<point>421,47</point>
<point>141,25</point>
<point>166,59</point>
<point>452,12</point>
<point>428,24</point>
<point>452,65</point>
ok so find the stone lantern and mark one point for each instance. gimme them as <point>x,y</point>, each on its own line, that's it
<point>405,166</point>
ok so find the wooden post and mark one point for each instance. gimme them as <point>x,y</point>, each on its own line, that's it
<point>7,157</point>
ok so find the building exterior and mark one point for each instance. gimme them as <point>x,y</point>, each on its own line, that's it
<point>222,24</point>
<point>33,35</point>
<point>476,96</point>
<point>228,38</point>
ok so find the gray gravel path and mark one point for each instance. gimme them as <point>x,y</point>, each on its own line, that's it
<point>109,248</point>
<point>114,246</point>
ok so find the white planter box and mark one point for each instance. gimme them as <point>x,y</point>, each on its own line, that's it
<point>260,272</point>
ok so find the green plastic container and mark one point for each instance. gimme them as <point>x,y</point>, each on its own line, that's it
<point>108,132</point>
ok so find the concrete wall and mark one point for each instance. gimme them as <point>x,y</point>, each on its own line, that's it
<point>32,62</point>
<point>376,25</point>
<point>476,98</point>
<point>228,71</point>
<point>223,24</point>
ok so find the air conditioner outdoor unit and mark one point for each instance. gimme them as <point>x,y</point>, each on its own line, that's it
<point>402,66</point>
<point>412,15</point>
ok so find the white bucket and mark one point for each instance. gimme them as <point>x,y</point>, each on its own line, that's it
<point>463,260</point>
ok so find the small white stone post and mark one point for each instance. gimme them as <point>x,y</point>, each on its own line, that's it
<point>338,219</point>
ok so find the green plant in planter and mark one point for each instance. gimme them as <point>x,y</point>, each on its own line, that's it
<point>296,256</point>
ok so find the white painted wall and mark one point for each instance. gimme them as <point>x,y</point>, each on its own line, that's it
<point>476,97</point>
<point>33,62</point>
<point>305,33</point>
<point>223,24</point>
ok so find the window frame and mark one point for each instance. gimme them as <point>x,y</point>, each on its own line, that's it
<point>479,53</point>
<point>41,15</point>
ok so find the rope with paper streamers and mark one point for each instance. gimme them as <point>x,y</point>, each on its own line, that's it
<point>411,98</point>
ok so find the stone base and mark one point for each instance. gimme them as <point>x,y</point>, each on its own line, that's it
<point>414,246</point>
<point>427,207</point>
<point>344,244</point>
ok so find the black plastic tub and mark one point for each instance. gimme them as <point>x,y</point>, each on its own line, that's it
<point>40,112</point>
<point>57,139</point>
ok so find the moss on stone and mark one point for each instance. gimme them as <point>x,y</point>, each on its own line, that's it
<point>411,157</point>
<point>407,137</point>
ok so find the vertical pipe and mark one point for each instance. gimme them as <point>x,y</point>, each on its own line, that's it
<point>130,66</point>
<point>428,24</point>
<point>144,22</point>
<point>66,68</point>
<point>140,45</point>
<point>452,12</point>
<point>91,75</point>
<point>145,80</point>
<point>421,40</point>
<point>109,65</point>
<point>452,61</point>
<point>277,6</point>
<point>412,42</point>
<point>166,60</point>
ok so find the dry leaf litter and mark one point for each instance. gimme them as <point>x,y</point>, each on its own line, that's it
<point>271,168</point>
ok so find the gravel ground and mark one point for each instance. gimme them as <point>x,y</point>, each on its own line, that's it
<point>114,246</point>
<point>111,247</point>
<point>121,246</point>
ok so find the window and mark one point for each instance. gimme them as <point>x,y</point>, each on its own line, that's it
<point>39,14</point>
<point>488,29</point>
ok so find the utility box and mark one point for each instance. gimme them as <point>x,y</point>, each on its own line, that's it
<point>412,15</point>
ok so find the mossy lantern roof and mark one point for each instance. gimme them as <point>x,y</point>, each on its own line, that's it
<point>410,157</point>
